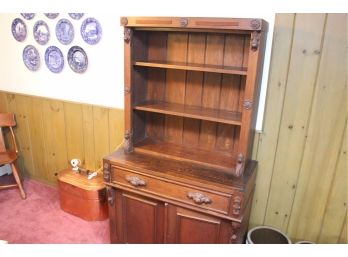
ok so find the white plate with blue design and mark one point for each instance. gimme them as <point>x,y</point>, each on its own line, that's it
<point>76,16</point>
<point>54,59</point>
<point>19,30</point>
<point>91,31</point>
<point>28,16</point>
<point>41,32</point>
<point>65,31</point>
<point>51,15</point>
<point>31,58</point>
<point>77,59</point>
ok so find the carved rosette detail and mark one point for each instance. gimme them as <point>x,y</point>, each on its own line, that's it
<point>124,21</point>
<point>183,22</point>
<point>255,24</point>
<point>127,35</point>
<point>106,172</point>
<point>235,232</point>
<point>128,141</point>
<point>236,205</point>
<point>240,165</point>
<point>255,40</point>
<point>127,89</point>
<point>248,104</point>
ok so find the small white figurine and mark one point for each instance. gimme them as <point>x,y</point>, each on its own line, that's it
<point>75,163</point>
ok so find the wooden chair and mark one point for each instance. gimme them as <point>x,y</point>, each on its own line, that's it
<point>9,156</point>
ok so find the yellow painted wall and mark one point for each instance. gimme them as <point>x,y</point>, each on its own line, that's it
<point>302,152</point>
<point>302,177</point>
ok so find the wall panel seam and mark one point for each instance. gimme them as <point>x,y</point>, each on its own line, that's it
<point>342,229</point>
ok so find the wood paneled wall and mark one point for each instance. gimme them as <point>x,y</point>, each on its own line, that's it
<point>302,152</point>
<point>51,132</point>
<point>302,177</point>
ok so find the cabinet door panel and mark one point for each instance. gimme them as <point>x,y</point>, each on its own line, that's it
<point>190,227</point>
<point>139,220</point>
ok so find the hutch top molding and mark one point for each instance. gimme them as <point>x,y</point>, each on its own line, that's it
<point>242,24</point>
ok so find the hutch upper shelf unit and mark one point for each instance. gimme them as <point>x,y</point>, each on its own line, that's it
<point>192,87</point>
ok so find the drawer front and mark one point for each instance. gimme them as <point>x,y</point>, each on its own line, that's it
<point>198,197</point>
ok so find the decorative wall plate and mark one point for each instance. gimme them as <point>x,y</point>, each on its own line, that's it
<point>76,16</point>
<point>65,31</point>
<point>54,59</point>
<point>31,58</point>
<point>19,29</point>
<point>28,16</point>
<point>51,15</point>
<point>41,32</point>
<point>77,59</point>
<point>91,31</point>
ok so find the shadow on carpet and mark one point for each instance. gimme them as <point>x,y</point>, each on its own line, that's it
<point>39,219</point>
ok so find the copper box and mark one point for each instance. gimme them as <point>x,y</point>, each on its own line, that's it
<point>82,197</point>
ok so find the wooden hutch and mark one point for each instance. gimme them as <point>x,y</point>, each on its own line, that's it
<point>185,174</point>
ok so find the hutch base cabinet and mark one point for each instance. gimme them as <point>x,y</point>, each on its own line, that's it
<point>185,174</point>
<point>155,200</point>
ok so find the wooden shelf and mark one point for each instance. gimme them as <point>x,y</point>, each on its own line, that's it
<point>227,117</point>
<point>216,160</point>
<point>193,67</point>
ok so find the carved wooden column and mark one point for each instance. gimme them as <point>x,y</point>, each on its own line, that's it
<point>128,142</point>
<point>235,234</point>
<point>106,172</point>
<point>252,87</point>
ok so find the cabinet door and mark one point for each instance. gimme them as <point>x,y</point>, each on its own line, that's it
<point>190,227</point>
<point>136,219</point>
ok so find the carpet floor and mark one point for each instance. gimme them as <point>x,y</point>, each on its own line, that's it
<point>39,219</point>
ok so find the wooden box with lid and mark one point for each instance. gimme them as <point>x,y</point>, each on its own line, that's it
<point>82,197</point>
<point>185,173</point>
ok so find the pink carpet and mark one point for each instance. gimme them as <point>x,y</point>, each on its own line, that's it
<point>39,219</point>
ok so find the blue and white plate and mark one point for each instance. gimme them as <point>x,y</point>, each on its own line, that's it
<point>28,16</point>
<point>19,30</point>
<point>65,31</point>
<point>91,31</point>
<point>76,16</point>
<point>51,15</point>
<point>77,59</point>
<point>54,59</point>
<point>41,32</point>
<point>31,58</point>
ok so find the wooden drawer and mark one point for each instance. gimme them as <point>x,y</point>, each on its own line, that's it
<point>173,190</point>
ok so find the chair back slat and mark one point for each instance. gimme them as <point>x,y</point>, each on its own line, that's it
<point>6,120</point>
<point>2,141</point>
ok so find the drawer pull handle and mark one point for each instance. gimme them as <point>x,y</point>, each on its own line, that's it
<point>136,181</point>
<point>199,198</point>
